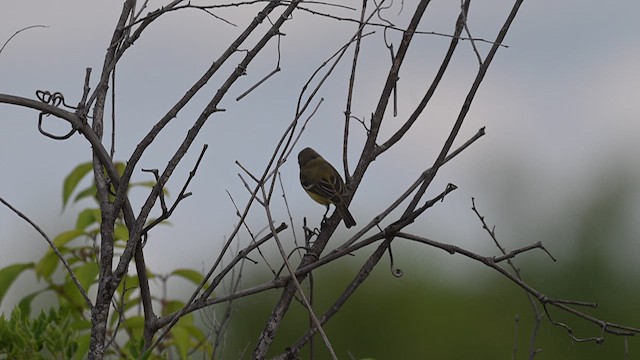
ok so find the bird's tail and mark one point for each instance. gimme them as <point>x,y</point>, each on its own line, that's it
<point>348,219</point>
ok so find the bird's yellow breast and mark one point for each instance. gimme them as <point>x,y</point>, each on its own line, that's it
<point>319,199</point>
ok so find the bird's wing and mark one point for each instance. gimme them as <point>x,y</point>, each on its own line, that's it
<point>330,187</point>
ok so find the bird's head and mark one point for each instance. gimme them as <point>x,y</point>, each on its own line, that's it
<point>306,155</point>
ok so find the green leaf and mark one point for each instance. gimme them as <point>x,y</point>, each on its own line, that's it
<point>72,295</point>
<point>87,192</point>
<point>87,274</point>
<point>47,265</point>
<point>81,324</point>
<point>198,338</point>
<point>134,302</point>
<point>72,180</point>
<point>120,232</point>
<point>172,306</point>
<point>188,274</point>
<point>195,332</point>
<point>134,348</point>
<point>147,184</point>
<point>152,220</point>
<point>88,217</point>
<point>48,335</point>
<point>9,274</point>
<point>182,340</point>
<point>64,238</point>
<point>83,346</point>
<point>120,166</point>
<point>129,283</point>
<point>135,324</point>
<point>25,302</point>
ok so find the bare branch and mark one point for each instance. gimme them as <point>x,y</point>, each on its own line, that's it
<point>170,319</point>
<point>606,326</point>
<point>466,29</point>
<point>352,80</point>
<point>292,351</point>
<point>425,174</point>
<point>181,196</point>
<point>538,314</point>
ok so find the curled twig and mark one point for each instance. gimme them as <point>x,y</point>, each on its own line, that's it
<point>54,99</point>
<point>397,272</point>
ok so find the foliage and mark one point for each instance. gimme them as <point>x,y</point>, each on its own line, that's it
<point>65,330</point>
<point>52,335</point>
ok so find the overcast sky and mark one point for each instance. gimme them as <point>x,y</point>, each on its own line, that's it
<point>560,105</point>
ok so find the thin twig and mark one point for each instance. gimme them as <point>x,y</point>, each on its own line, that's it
<point>514,351</point>
<point>202,301</point>
<point>606,326</point>
<point>395,28</point>
<point>253,237</point>
<point>538,315</point>
<point>378,218</point>
<point>55,250</point>
<point>254,86</point>
<point>113,113</point>
<point>18,32</point>
<point>347,111</point>
<point>466,29</point>
<point>166,213</point>
<point>286,205</point>
<point>346,294</point>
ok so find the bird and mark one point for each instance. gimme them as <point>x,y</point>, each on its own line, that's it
<point>323,183</point>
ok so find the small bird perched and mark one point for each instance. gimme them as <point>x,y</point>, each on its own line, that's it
<point>323,183</point>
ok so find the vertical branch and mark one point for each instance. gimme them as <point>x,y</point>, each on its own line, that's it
<point>352,80</point>
<point>100,312</point>
<point>113,113</point>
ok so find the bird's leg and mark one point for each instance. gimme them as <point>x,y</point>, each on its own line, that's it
<point>324,217</point>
